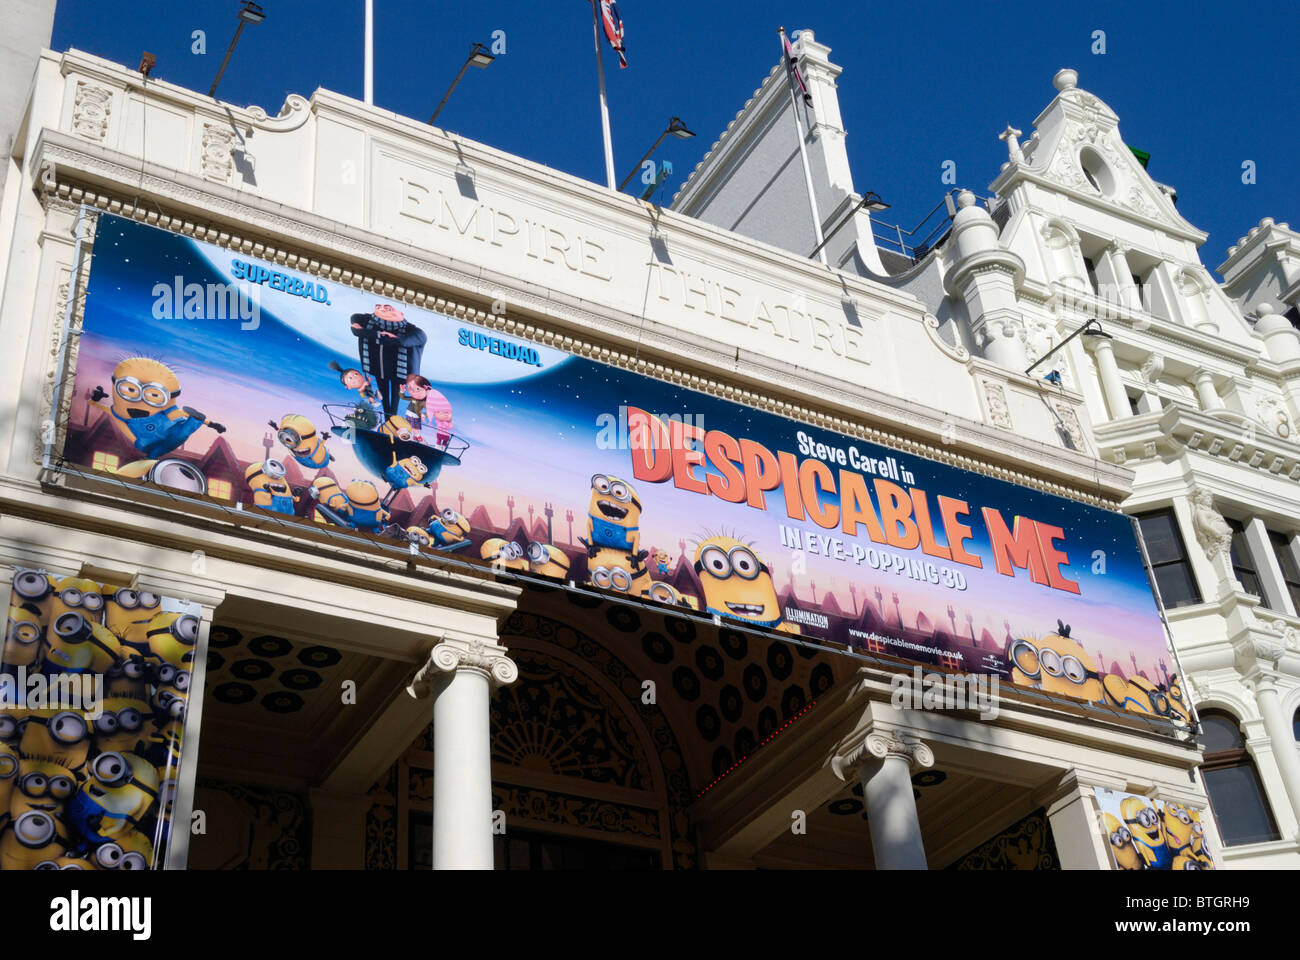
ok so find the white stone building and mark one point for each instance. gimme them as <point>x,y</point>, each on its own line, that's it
<point>1195,386</point>
<point>929,360</point>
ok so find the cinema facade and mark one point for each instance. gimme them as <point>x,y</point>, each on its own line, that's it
<point>424,506</point>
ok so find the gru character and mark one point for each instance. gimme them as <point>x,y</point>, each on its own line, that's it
<point>143,408</point>
<point>389,349</point>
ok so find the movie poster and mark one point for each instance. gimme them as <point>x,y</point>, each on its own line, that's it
<point>94,683</point>
<point>206,370</point>
<point>1146,834</point>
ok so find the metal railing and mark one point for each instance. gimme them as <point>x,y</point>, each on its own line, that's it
<point>932,231</point>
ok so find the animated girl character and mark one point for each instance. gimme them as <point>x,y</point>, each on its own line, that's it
<point>354,379</point>
<point>440,407</point>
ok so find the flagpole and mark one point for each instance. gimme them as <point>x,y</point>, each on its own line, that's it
<point>370,53</point>
<point>604,104</point>
<point>803,155</point>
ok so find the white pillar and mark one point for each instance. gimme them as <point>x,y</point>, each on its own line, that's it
<point>891,806</point>
<point>1205,391</point>
<point>1076,829</point>
<point>1126,291</point>
<point>460,675</point>
<point>1112,387</point>
<point>1280,736</point>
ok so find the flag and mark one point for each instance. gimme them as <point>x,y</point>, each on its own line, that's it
<point>614,30</point>
<point>792,70</point>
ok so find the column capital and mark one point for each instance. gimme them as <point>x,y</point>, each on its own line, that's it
<point>880,745</point>
<point>452,655</point>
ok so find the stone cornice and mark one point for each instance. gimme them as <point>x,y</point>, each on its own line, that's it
<point>1180,428</point>
<point>240,221</point>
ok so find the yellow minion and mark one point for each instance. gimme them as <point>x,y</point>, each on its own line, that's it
<point>366,511</point>
<point>171,637</point>
<point>143,407</point>
<point>507,553</point>
<point>613,516</point>
<point>665,592</point>
<point>60,736</point>
<point>270,491</point>
<point>120,726</point>
<point>24,636</point>
<point>125,606</point>
<point>9,761</point>
<point>1121,844</point>
<point>327,492</point>
<point>1056,664</point>
<point>612,569</point>
<point>43,785</point>
<point>1176,822</point>
<point>32,838</point>
<point>77,595</point>
<point>305,445</point>
<point>738,585</point>
<point>395,428</point>
<point>34,589</point>
<point>1144,826</point>
<point>75,644</point>
<point>548,560</point>
<point>448,529</point>
<point>119,791</point>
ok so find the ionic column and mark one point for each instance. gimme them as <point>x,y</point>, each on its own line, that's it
<point>886,774</point>
<point>1126,290</point>
<point>1205,392</point>
<point>1112,387</point>
<point>460,675</point>
<point>1278,728</point>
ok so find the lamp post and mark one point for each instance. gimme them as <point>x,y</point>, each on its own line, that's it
<point>677,128</point>
<point>871,201</point>
<point>478,57</point>
<point>249,12</point>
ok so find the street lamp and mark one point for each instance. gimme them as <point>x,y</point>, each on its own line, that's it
<point>249,12</point>
<point>478,57</point>
<point>1091,328</point>
<point>871,201</point>
<point>677,128</point>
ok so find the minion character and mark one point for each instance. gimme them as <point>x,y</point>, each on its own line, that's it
<point>613,569</point>
<point>172,636</point>
<point>738,585</point>
<point>33,838</point>
<point>78,595</point>
<point>43,786</point>
<point>60,736</point>
<point>367,513</point>
<point>118,793</point>
<point>129,677</point>
<point>11,724</point>
<point>9,761</point>
<point>506,552</point>
<point>613,516</point>
<point>547,560</point>
<point>1144,826</point>
<point>417,536</point>
<point>662,561</point>
<point>77,645</point>
<point>407,472</point>
<point>143,407</point>
<point>1186,861</point>
<point>24,638</point>
<point>164,749</point>
<point>120,726</point>
<point>305,445</point>
<point>1180,708</point>
<point>1121,844</point>
<point>125,606</point>
<point>449,530</point>
<point>664,592</point>
<point>136,848</point>
<point>171,690</point>
<point>395,428</point>
<point>270,492</point>
<point>1137,694</point>
<point>66,863</point>
<point>1056,664</point>
<point>33,590</point>
<point>1176,823</point>
<point>1197,845</point>
<point>327,492</point>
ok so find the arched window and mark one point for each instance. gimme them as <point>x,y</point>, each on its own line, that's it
<point>1236,794</point>
<point>1295,725</point>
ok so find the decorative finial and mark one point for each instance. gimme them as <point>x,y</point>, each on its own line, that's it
<point>1065,79</point>
<point>1012,136</point>
<point>965,199</point>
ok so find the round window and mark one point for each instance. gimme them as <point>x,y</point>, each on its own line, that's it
<point>1097,172</point>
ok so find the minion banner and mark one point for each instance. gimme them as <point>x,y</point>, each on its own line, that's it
<point>210,372</point>
<point>94,682</point>
<point>1146,834</point>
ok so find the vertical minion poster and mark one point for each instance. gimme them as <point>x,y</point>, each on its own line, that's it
<point>94,684</point>
<point>1151,834</point>
<point>216,375</point>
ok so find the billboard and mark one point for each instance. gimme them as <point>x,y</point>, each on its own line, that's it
<point>205,370</point>
<point>94,684</point>
<point>1150,834</point>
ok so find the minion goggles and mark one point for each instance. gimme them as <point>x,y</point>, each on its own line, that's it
<point>154,394</point>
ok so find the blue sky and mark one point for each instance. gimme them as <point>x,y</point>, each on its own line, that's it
<point>1202,87</point>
